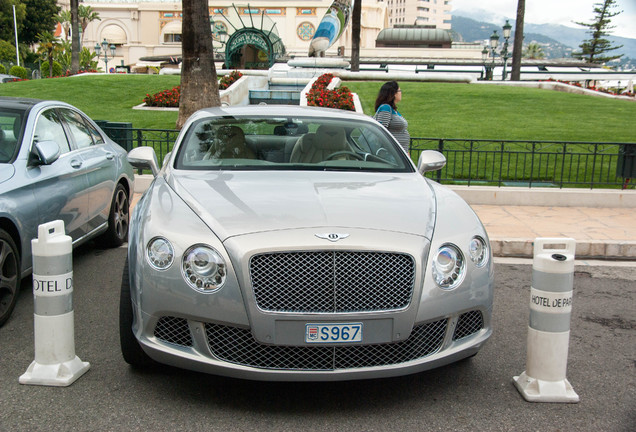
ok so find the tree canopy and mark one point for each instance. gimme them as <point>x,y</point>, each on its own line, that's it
<point>592,49</point>
<point>6,18</point>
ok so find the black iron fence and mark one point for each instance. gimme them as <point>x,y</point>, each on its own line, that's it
<point>477,162</point>
<point>532,163</point>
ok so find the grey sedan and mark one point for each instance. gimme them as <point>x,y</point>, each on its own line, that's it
<point>289,243</point>
<point>55,163</point>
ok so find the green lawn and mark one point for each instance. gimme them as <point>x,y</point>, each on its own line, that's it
<point>440,110</point>
<point>103,97</point>
<point>448,110</point>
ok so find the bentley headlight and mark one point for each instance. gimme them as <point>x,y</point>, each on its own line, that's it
<point>160,253</point>
<point>478,250</point>
<point>204,268</point>
<point>448,266</point>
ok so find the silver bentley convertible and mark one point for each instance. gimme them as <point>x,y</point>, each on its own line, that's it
<point>300,244</point>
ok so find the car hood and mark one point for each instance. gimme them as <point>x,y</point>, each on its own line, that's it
<point>6,172</point>
<point>233,203</point>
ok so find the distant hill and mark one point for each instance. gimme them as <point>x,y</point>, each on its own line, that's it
<point>560,40</point>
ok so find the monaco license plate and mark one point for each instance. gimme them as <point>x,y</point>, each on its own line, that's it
<point>330,333</point>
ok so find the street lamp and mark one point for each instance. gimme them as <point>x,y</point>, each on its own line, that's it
<point>105,47</point>
<point>222,37</point>
<point>491,51</point>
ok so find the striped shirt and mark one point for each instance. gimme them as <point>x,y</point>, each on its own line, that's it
<point>395,123</point>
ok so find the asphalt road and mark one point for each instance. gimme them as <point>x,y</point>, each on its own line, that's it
<point>473,395</point>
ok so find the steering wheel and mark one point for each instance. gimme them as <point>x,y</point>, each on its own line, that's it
<point>344,152</point>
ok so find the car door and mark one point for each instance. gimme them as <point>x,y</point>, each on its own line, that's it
<point>60,188</point>
<point>100,165</point>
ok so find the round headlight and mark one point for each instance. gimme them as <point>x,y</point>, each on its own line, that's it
<point>478,251</point>
<point>160,253</point>
<point>204,268</point>
<point>448,266</point>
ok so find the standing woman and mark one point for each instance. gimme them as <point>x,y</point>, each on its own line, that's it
<point>387,115</point>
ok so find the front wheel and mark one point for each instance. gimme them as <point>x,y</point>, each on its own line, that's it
<point>118,220</point>
<point>133,354</point>
<point>9,275</point>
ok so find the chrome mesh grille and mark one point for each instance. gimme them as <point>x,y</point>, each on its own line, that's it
<point>173,330</point>
<point>469,323</point>
<point>236,345</point>
<point>328,281</point>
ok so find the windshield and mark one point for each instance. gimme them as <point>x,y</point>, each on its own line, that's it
<point>300,143</point>
<point>10,127</point>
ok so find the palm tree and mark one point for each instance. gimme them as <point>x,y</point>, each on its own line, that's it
<point>199,82</point>
<point>355,35</point>
<point>64,18</point>
<point>86,16</point>
<point>49,45</point>
<point>533,51</point>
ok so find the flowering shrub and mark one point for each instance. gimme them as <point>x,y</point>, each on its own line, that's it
<point>170,98</point>
<point>230,79</point>
<point>166,98</point>
<point>340,98</point>
<point>612,91</point>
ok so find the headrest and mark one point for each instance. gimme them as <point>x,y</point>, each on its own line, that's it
<point>232,135</point>
<point>17,123</point>
<point>280,130</point>
<point>331,138</point>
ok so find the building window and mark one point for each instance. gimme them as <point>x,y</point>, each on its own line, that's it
<point>172,38</point>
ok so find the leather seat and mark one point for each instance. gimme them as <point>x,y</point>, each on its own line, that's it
<point>316,147</point>
<point>229,144</point>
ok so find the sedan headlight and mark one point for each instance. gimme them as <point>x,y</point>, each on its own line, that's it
<point>478,250</point>
<point>204,268</point>
<point>160,253</point>
<point>448,266</point>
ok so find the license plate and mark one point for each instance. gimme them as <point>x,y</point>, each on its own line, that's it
<point>330,333</point>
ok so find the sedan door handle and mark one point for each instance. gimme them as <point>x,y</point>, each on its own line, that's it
<point>110,156</point>
<point>76,163</point>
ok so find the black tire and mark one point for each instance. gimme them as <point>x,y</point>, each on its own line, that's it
<point>9,276</point>
<point>130,348</point>
<point>118,220</point>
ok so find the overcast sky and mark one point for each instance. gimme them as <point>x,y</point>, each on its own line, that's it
<point>557,12</point>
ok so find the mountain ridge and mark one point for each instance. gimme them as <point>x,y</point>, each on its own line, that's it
<point>567,39</point>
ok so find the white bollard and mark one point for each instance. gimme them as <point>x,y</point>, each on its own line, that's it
<point>55,361</point>
<point>549,327</point>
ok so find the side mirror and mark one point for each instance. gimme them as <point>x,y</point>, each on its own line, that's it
<point>430,160</point>
<point>144,158</point>
<point>46,152</point>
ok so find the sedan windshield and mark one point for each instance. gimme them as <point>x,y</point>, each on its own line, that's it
<point>300,143</point>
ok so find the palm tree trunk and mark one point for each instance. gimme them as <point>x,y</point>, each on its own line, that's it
<point>355,35</point>
<point>75,47</point>
<point>517,48</point>
<point>199,85</point>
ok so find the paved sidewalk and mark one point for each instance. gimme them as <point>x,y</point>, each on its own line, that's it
<point>600,233</point>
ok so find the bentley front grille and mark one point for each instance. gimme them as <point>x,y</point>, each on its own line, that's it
<point>236,345</point>
<point>328,281</point>
<point>469,323</point>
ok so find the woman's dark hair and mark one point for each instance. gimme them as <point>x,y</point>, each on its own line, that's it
<point>386,95</point>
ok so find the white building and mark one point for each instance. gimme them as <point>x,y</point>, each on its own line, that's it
<point>436,13</point>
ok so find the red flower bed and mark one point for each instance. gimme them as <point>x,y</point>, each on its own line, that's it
<point>318,95</point>
<point>170,98</point>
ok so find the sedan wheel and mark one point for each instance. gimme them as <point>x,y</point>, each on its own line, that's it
<point>9,276</point>
<point>118,219</point>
